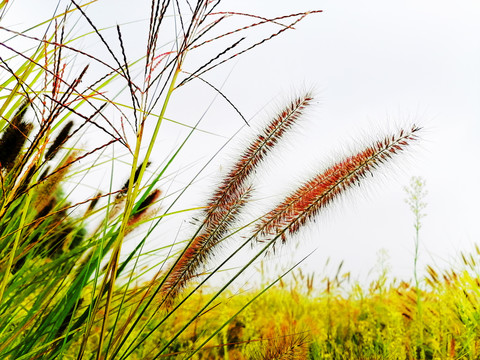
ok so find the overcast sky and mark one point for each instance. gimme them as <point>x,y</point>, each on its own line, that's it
<point>373,65</point>
<point>380,62</point>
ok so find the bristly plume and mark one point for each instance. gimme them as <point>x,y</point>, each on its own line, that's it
<point>46,209</point>
<point>44,174</point>
<point>14,137</point>
<point>93,203</point>
<point>20,114</point>
<point>51,183</point>
<point>319,192</point>
<point>285,345</point>
<point>59,141</point>
<point>229,198</point>
<point>200,249</point>
<point>254,154</point>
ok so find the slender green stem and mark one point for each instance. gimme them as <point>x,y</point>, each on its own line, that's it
<point>18,236</point>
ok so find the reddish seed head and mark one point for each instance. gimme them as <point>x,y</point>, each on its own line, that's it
<point>255,153</point>
<point>317,193</point>
<point>202,247</point>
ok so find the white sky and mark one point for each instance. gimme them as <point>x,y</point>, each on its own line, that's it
<point>372,64</point>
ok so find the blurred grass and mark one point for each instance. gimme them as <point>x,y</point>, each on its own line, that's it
<point>335,319</point>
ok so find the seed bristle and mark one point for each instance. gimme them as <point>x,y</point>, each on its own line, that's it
<point>200,249</point>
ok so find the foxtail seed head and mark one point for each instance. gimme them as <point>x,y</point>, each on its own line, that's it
<point>229,198</point>
<point>143,208</point>
<point>202,247</point>
<point>254,154</point>
<point>124,188</point>
<point>59,141</point>
<point>14,137</point>
<point>317,193</point>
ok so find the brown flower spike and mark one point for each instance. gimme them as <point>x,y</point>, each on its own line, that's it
<point>14,137</point>
<point>200,248</point>
<point>319,192</point>
<point>228,199</point>
<point>253,155</point>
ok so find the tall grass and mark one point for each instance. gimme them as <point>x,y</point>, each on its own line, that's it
<point>333,317</point>
<point>60,294</point>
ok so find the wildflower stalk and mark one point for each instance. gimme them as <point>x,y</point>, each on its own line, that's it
<point>416,193</point>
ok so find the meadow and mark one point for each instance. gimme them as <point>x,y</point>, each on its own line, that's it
<point>68,290</point>
<point>336,318</point>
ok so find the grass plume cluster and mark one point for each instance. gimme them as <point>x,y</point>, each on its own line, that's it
<point>65,289</point>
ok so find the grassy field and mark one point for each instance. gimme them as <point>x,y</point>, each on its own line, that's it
<point>334,318</point>
<point>68,290</point>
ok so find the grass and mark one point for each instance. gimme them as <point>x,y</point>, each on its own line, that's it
<point>335,318</point>
<point>66,289</point>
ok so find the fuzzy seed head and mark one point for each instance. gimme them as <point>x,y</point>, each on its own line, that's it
<point>59,141</point>
<point>317,193</point>
<point>12,142</point>
<point>203,246</point>
<point>124,188</point>
<point>144,206</point>
<point>227,192</point>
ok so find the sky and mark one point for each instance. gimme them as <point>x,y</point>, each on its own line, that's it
<point>373,66</point>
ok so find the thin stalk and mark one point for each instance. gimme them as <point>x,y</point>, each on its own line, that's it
<point>416,194</point>
<point>199,313</point>
<point>170,313</point>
